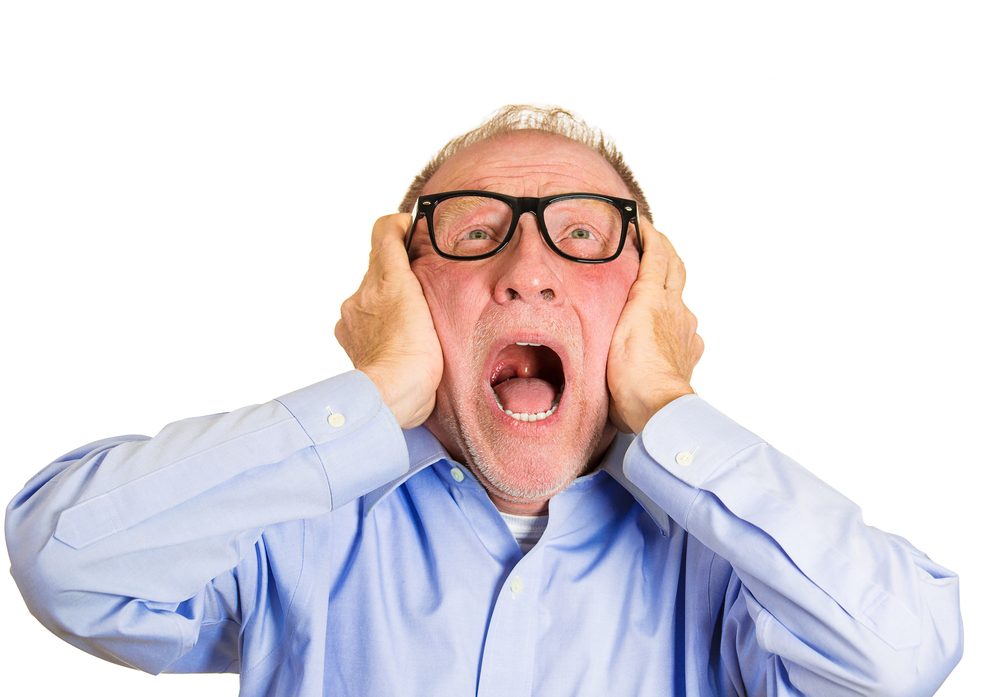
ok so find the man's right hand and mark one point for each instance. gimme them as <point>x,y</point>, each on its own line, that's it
<point>387,331</point>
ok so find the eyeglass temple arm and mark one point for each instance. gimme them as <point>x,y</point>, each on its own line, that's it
<point>417,215</point>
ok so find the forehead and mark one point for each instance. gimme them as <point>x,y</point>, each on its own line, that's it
<point>528,163</point>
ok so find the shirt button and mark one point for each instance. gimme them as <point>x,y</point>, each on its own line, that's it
<point>456,474</point>
<point>516,585</point>
<point>335,420</point>
<point>683,458</point>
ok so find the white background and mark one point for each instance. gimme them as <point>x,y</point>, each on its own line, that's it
<point>187,191</point>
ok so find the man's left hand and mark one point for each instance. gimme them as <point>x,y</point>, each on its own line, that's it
<point>656,344</point>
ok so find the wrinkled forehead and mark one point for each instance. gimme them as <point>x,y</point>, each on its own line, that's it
<point>528,163</point>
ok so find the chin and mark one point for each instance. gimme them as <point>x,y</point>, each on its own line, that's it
<point>523,410</point>
<point>523,462</point>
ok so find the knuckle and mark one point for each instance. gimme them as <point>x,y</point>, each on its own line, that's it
<point>393,222</point>
<point>345,309</point>
<point>382,222</point>
<point>401,219</point>
<point>340,333</point>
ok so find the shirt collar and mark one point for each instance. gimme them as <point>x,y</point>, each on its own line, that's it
<point>424,450</point>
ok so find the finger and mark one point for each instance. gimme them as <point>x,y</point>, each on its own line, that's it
<point>665,267</point>
<point>676,275</point>
<point>388,254</point>
<point>392,225</point>
<point>388,234</point>
<point>655,260</point>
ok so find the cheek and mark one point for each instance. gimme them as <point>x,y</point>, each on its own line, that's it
<point>605,296</point>
<point>456,298</point>
<point>621,280</point>
<point>445,289</point>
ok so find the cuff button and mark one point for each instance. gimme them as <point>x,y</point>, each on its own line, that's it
<point>683,458</point>
<point>335,420</point>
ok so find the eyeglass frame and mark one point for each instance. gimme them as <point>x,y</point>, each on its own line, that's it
<point>519,205</point>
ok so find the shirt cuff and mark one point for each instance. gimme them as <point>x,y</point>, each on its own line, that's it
<point>690,440</point>
<point>355,435</point>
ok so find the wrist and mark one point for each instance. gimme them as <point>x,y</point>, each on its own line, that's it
<point>382,382</point>
<point>637,417</point>
<point>406,402</point>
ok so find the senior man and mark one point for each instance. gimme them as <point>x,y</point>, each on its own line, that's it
<point>461,514</point>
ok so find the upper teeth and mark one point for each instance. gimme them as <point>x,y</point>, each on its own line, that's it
<point>530,417</point>
<point>525,343</point>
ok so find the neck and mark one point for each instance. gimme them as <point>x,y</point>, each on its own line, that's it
<point>520,507</point>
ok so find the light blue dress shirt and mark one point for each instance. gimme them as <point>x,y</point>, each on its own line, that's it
<point>312,546</point>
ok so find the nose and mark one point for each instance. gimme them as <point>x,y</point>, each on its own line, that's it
<point>529,270</point>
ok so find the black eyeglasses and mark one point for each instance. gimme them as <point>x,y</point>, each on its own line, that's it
<point>468,225</point>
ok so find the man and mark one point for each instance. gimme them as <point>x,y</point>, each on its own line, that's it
<point>508,540</point>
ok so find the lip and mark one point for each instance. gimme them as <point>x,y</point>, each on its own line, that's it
<point>530,337</point>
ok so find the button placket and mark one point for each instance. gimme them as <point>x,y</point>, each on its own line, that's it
<point>516,585</point>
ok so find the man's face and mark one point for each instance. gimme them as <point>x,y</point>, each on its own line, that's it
<point>487,314</point>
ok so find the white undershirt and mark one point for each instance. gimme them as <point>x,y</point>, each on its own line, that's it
<point>525,528</point>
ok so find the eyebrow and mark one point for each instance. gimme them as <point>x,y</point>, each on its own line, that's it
<point>459,206</point>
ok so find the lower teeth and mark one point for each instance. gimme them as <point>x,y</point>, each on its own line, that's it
<point>530,417</point>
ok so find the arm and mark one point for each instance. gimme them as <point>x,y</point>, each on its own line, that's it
<point>818,602</point>
<point>121,547</point>
<point>126,547</point>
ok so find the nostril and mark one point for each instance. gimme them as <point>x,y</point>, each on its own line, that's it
<point>547,294</point>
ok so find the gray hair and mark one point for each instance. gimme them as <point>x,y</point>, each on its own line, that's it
<point>522,117</point>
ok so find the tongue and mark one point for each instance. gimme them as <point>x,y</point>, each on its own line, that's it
<point>526,395</point>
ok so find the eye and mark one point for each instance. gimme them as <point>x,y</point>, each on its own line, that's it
<point>580,234</point>
<point>477,235</point>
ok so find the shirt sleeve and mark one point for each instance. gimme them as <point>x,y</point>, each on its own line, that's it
<point>819,603</point>
<point>117,545</point>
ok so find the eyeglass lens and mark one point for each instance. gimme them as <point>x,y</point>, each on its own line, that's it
<point>584,228</point>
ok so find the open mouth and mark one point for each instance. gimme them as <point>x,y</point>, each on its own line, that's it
<point>527,381</point>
